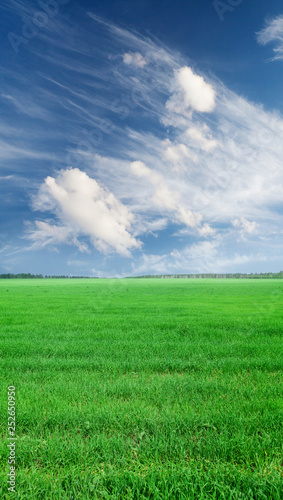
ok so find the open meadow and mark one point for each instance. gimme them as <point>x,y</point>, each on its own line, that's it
<point>143,388</point>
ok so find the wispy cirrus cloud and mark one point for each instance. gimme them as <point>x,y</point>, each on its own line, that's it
<point>273,33</point>
<point>202,257</point>
<point>26,106</point>
<point>166,148</point>
<point>209,167</point>
<point>166,199</point>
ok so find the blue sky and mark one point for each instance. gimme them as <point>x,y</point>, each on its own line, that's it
<point>140,137</point>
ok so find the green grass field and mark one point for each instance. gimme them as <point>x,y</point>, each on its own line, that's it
<point>143,389</point>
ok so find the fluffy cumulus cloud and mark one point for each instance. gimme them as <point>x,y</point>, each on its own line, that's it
<point>192,93</point>
<point>273,33</point>
<point>86,209</point>
<point>134,58</point>
<point>180,149</point>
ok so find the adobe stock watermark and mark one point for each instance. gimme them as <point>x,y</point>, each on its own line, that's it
<point>12,438</point>
<point>122,108</point>
<point>39,20</point>
<point>222,7</point>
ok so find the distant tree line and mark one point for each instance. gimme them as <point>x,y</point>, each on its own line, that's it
<point>163,276</point>
<point>28,276</point>
<point>219,276</point>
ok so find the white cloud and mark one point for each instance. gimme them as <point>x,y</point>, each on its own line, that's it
<point>192,93</point>
<point>245,225</point>
<point>196,258</point>
<point>221,167</point>
<point>201,252</point>
<point>51,234</point>
<point>165,198</point>
<point>187,217</point>
<point>193,166</point>
<point>135,58</point>
<point>273,32</point>
<point>206,230</point>
<point>141,170</point>
<point>4,248</point>
<point>6,177</point>
<point>202,257</point>
<point>26,106</point>
<point>11,151</point>
<point>179,155</point>
<point>84,208</point>
<point>199,140</point>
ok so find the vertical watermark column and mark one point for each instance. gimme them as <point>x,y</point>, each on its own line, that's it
<point>12,438</point>
<point>35,23</point>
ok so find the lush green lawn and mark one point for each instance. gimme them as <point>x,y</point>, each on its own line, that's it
<point>143,389</point>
